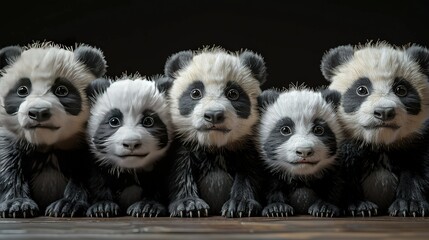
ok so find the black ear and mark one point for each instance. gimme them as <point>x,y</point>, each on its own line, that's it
<point>332,96</point>
<point>97,87</point>
<point>267,98</point>
<point>334,58</point>
<point>176,62</point>
<point>8,55</point>
<point>256,64</point>
<point>163,83</point>
<point>421,56</point>
<point>93,59</point>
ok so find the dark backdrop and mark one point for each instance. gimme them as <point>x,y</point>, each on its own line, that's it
<point>292,36</point>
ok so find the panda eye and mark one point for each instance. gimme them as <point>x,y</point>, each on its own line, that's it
<point>318,130</point>
<point>148,122</point>
<point>61,91</point>
<point>114,122</point>
<point>196,94</point>
<point>285,131</point>
<point>362,91</point>
<point>22,91</point>
<point>233,94</point>
<point>401,91</point>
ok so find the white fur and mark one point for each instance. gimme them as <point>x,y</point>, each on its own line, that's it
<point>43,65</point>
<point>382,63</point>
<point>132,97</point>
<point>303,107</point>
<point>214,67</point>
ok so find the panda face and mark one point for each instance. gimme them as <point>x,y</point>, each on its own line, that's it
<point>42,92</point>
<point>213,100</point>
<point>385,95</point>
<point>299,134</point>
<point>129,125</point>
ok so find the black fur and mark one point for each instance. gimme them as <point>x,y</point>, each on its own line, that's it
<point>276,138</point>
<point>163,83</point>
<point>176,62</point>
<point>158,130</point>
<point>96,87</point>
<point>331,96</point>
<point>334,58</point>
<point>351,100</point>
<point>12,100</point>
<point>72,102</point>
<point>8,55</point>
<point>242,105</point>
<point>421,56</point>
<point>92,58</point>
<point>104,130</point>
<point>267,98</point>
<point>256,64</point>
<point>186,103</point>
<point>412,100</point>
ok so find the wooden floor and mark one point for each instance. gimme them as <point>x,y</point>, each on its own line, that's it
<point>301,227</point>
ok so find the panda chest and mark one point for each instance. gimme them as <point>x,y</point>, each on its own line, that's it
<point>47,182</point>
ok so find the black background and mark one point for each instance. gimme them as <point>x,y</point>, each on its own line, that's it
<point>292,36</point>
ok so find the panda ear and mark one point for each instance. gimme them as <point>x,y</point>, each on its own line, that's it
<point>332,96</point>
<point>256,64</point>
<point>176,62</point>
<point>8,55</point>
<point>92,58</point>
<point>267,98</point>
<point>96,87</point>
<point>334,58</point>
<point>421,56</point>
<point>163,83</point>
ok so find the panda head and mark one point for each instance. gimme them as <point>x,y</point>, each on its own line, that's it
<point>299,131</point>
<point>213,95</point>
<point>42,91</point>
<point>130,125</point>
<point>385,90</point>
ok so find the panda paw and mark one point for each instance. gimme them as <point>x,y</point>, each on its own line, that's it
<point>104,209</point>
<point>363,208</point>
<point>146,209</point>
<point>278,210</point>
<point>66,208</point>
<point>402,207</point>
<point>189,207</point>
<point>239,208</point>
<point>18,208</point>
<point>323,209</point>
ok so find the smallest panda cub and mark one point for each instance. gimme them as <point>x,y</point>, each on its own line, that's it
<point>298,139</point>
<point>129,134</point>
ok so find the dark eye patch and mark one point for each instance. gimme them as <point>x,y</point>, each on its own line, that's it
<point>104,130</point>
<point>351,100</point>
<point>72,102</point>
<point>159,129</point>
<point>412,100</point>
<point>242,105</point>
<point>328,137</point>
<point>12,101</point>
<point>275,138</point>
<point>186,103</point>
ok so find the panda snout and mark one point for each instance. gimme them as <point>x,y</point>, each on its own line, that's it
<point>39,114</point>
<point>384,113</point>
<point>131,144</point>
<point>214,117</point>
<point>304,152</point>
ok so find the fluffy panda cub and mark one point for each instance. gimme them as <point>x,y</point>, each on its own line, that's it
<point>213,102</point>
<point>298,139</point>
<point>129,133</point>
<point>385,103</point>
<point>43,116</point>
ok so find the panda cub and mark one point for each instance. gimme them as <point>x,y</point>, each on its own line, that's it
<point>384,106</point>
<point>129,133</point>
<point>43,152</point>
<point>298,139</point>
<point>213,102</point>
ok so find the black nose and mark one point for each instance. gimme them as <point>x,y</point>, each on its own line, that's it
<point>39,114</point>
<point>131,144</point>
<point>304,152</point>
<point>384,114</point>
<point>214,116</point>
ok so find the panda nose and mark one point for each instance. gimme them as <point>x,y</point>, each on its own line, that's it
<point>214,116</point>
<point>39,114</point>
<point>384,114</point>
<point>131,144</point>
<point>304,152</point>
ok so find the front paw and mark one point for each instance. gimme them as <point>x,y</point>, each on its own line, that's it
<point>321,208</point>
<point>238,208</point>
<point>146,209</point>
<point>402,207</point>
<point>103,209</point>
<point>278,209</point>
<point>66,208</point>
<point>189,207</point>
<point>362,208</point>
<point>18,207</point>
